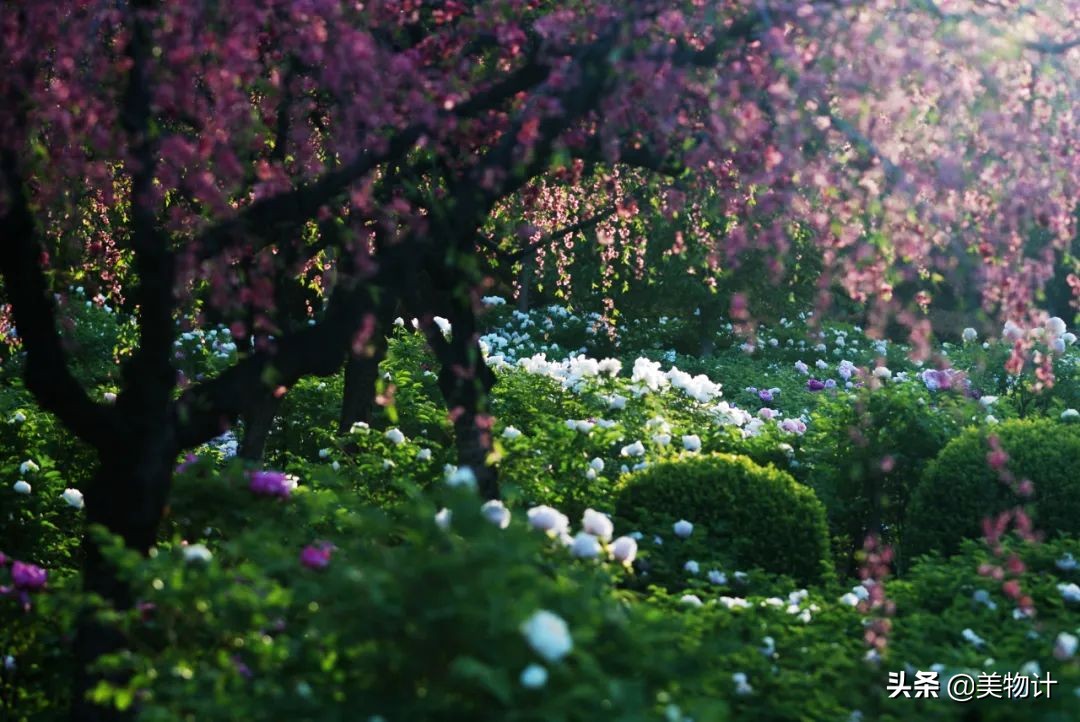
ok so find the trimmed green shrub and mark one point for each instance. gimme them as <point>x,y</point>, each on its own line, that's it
<point>756,516</point>
<point>959,488</point>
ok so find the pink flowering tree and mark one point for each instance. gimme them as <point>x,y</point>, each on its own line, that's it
<point>228,151</point>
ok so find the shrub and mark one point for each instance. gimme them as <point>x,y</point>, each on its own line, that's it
<point>866,452</point>
<point>959,488</point>
<point>754,515</point>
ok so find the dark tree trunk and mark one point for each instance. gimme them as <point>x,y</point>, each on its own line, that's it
<point>525,283</point>
<point>466,382</point>
<point>128,497</point>
<point>258,422</point>
<point>361,377</point>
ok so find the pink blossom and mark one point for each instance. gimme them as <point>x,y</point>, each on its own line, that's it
<point>28,577</point>
<point>316,556</point>
<point>271,483</point>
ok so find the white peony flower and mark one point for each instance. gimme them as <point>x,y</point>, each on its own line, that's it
<point>1055,326</point>
<point>28,467</point>
<point>424,455</point>
<point>742,687</point>
<point>1065,646</point>
<point>359,427</point>
<point>849,599</point>
<point>1070,592</point>
<point>585,546</point>
<point>463,476</point>
<point>197,553</point>
<point>882,373</point>
<point>692,599</point>
<point>495,512</point>
<point>1012,332</point>
<point>395,436</point>
<point>692,566</point>
<point>548,520</point>
<point>324,453</point>
<point>597,464</point>
<point>634,449</point>
<point>18,417</point>
<point>444,326</point>
<point>661,439</point>
<point>1069,338</point>
<point>716,576</point>
<point>1057,345</point>
<point>534,677</point>
<point>624,549</point>
<point>1070,415</point>
<point>109,397</point>
<point>597,524</point>
<point>691,442</point>
<point>443,518</point>
<point>683,528</point>
<point>972,638</point>
<point>21,487</point>
<point>970,335</point>
<point>548,635</point>
<point>73,497</point>
<point>510,433</point>
<point>335,465</point>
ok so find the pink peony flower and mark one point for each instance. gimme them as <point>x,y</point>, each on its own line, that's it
<point>28,577</point>
<point>271,483</point>
<point>316,556</point>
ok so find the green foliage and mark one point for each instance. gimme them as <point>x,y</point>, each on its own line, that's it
<point>406,622</point>
<point>754,516</point>
<point>959,488</point>
<point>865,452</point>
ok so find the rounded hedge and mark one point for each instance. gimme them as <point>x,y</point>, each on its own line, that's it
<point>959,488</point>
<point>756,516</point>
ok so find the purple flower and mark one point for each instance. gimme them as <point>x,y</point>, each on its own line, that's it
<point>316,556</point>
<point>802,367</point>
<point>765,395</point>
<point>187,462</point>
<point>28,577</point>
<point>830,383</point>
<point>271,483</point>
<point>814,385</point>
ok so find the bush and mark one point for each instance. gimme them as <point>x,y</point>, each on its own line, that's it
<point>959,488</point>
<point>866,452</point>
<point>756,516</point>
<point>250,632</point>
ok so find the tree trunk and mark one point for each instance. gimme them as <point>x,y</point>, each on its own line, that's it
<point>528,266</point>
<point>466,382</point>
<point>127,497</point>
<point>361,377</point>
<point>258,422</point>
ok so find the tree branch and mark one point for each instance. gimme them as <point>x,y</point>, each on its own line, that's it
<point>47,374</point>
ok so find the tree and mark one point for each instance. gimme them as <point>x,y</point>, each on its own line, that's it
<point>238,146</point>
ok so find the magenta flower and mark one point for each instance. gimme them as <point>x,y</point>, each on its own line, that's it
<point>316,556</point>
<point>187,462</point>
<point>28,577</point>
<point>814,385</point>
<point>271,483</point>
